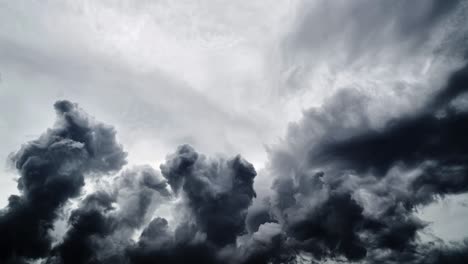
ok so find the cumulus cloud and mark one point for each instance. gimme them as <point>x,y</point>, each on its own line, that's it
<point>345,188</point>
<point>347,179</point>
<point>52,170</point>
<point>218,192</point>
<point>432,140</point>
<point>114,223</point>
<point>101,228</point>
<point>342,189</point>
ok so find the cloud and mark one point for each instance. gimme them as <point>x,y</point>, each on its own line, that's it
<point>342,189</point>
<point>52,170</point>
<point>367,25</point>
<point>86,223</point>
<point>370,35</point>
<point>158,244</point>
<point>345,188</point>
<point>218,192</point>
<point>432,139</point>
<point>347,179</point>
<point>215,193</point>
<point>101,228</point>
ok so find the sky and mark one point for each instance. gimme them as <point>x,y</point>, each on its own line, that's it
<point>233,131</point>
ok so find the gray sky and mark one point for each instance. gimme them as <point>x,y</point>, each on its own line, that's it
<point>227,77</point>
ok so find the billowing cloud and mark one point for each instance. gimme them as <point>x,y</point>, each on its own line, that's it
<point>345,188</point>
<point>218,192</point>
<point>342,189</point>
<point>101,228</point>
<point>344,184</point>
<point>52,170</point>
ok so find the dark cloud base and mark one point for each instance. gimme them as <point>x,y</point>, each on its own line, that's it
<point>350,198</point>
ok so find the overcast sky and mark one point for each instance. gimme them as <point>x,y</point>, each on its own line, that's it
<point>230,77</point>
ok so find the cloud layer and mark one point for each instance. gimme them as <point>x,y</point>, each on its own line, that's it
<point>344,184</point>
<point>342,190</point>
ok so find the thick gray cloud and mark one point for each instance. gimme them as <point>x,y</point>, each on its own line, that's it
<point>345,188</point>
<point>334,196</point>
<point>101,228</point>
<point>382,136</point>
<point>217,192</point>
<point>52,170</point>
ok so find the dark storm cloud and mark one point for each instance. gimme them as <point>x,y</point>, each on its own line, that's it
<point>330,228</point>
<point>257,215</point>
<point>434,140</point>
<point>346,189</point>
<point>218,192</point>
<point>343,190</point>
<point>430,253</point>
<point>334,196</point>
<point>52,170</point>
<point>454,254</point>
<point>86,223</point>
<point>101,228</point>
<point>159,245</point>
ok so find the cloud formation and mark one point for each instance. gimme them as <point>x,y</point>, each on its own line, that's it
<point>347,182</point>
<point>218,192</point>
<point>342,189</point>
<point>101,228</point>
<point>52,170</point>
<point>364,184</point>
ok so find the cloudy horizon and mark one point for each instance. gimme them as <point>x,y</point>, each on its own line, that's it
<point>233,131</point>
